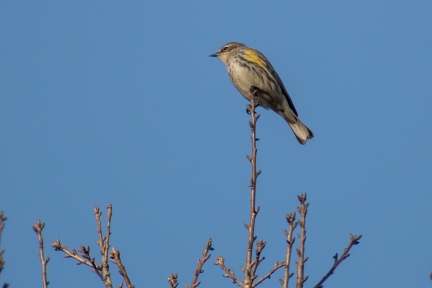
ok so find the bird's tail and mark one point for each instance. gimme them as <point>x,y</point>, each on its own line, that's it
<point>301,131</point>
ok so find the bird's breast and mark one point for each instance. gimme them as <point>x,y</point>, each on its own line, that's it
<point>244,77</point>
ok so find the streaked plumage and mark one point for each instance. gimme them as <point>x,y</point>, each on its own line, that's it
<point>248,67</point>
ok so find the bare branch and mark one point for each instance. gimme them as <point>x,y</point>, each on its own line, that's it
<point>290,241</point>
<point>2,224</point>
<point>267,276</point>
<point>172,279</point>
<point>204,258</point>
<point>302,236</point>
<point>2,262</point>
<point>38,227</point>
<point>104,241</point>
<point>354,240</point>
<point>101,270</point>
<point>251,266</point>
<point>228,272</point>
<point>260,246</point>
<point>249,271</point>
<point>57,246</point>
<point>96,268</point>
<point>115,258</point>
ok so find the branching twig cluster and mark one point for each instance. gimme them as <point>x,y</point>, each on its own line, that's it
<point>102,270</point>
<point>172,279</point>
<point>2,262</point>
<point>253,251</point>
<point>301,279</point>
<point>38,227</point>
<point>250,276</point>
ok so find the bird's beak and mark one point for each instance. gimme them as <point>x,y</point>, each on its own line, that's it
<point>214,55</point>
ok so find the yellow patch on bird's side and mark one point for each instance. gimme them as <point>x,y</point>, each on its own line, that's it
<point>252,56</point>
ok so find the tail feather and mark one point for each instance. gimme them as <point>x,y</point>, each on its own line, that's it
<point>301,131</point>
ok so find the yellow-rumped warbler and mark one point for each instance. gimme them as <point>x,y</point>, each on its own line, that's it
<point>249,69</point>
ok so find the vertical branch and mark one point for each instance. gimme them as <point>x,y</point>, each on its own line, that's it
<point>106,246</point>
<point>249,277</point>
<point>205,256</point>
<point>2,225</point>
<point>103,243</point>
<point>38,227</point>
<point>2,262</point>
<point>301,251</point>
<point>290,241</point>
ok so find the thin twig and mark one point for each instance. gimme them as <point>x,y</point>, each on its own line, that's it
<point>260,246</point>
<point>290,241</point>
<point>58,247</point>
<point>2,262</point>
<point>274,269</point>
<point>2,225</point>
<point>115,258</point>
<point>228,272</point>
<point>96,268</point>
<point>101,270</point>
<point>301,251</point>
<point>172,279</point>
<point>249,271</point>
<point>104,242</point>
<point>204,258</point>
<point>354,240</point>
<point>38,227</point>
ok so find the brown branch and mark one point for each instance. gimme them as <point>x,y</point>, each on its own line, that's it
<point>2,225</point>
<point>115,258</point>
<point>57,246</point>
<point>2,262</point>
<point>251,265</point>
<point>204,258</point>
<point>91,260</point>
<point>249,271</point>
<point>290,241</point>
<point>354,240</point>
<point>101,270</point>
<point>228,272</point>
<point>38,227</point>
<point>302,236</point>
<point>260,246</point>
<point>274,269</point>
<point>104,242</point>
<point>172,279</point>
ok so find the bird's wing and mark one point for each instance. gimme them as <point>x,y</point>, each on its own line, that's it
<point>284,91</point>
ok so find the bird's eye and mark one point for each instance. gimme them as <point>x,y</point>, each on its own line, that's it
<point>224,49</point>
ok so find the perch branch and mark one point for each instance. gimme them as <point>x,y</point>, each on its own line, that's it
<point>38,227</point>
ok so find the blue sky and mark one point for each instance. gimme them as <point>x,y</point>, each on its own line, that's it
<point>118,102</point>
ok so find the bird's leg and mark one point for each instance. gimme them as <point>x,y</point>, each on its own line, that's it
<point>253,90</point>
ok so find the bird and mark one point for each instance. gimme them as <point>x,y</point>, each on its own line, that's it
<point>250,70</point>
